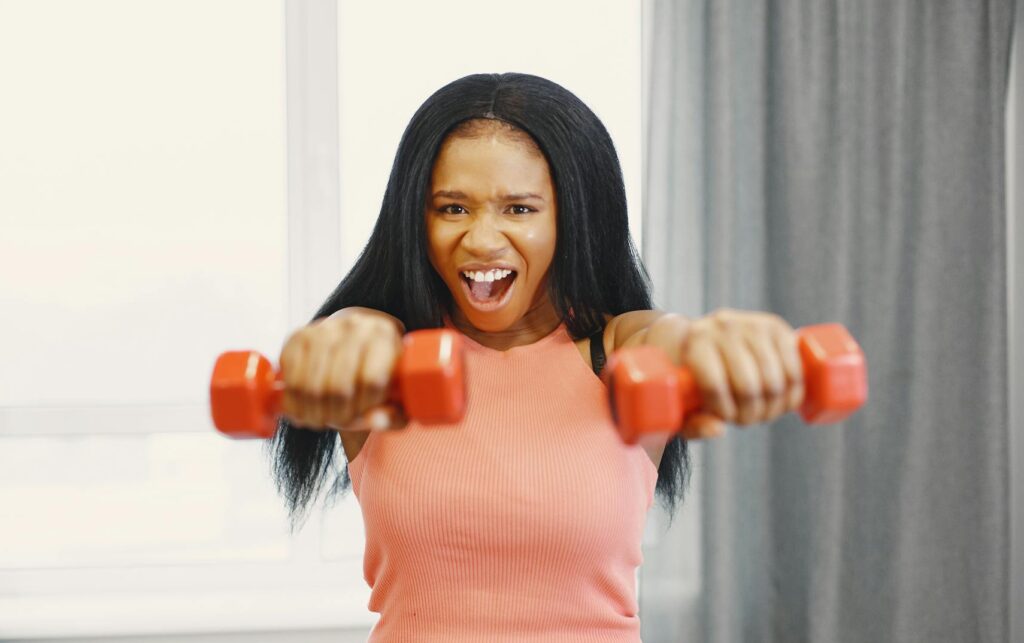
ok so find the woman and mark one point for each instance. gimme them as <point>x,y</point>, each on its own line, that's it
<point>505,219</point>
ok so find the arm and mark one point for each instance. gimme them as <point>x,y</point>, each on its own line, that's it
<point>638,327</point>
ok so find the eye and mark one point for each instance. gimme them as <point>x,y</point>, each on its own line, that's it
<point>445,209</point>
<point>524,207</point>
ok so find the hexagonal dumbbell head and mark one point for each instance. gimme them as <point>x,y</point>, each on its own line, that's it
<point>244,391</point>
<point>432,377</point>
<point>835,373</point>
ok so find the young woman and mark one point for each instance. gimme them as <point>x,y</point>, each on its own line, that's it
<point>504,218</point>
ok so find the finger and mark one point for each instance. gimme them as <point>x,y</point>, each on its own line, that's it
<point>292,364</point>
<point>314,411</point>
<point>340,401</point>
<point>396,419</point>
<point>708,369</point>
<point>383,417</point>
<point>291,408</point>
<point>786,343</point>
<point>336,407</point>
<point>774,406</point>
<point>293,349</point>
<point>376,370</point>
<point>744,377</point>
<point>703,426</point>
<point>341,377</point>
<point>773,378</point>
<point>319,359</point>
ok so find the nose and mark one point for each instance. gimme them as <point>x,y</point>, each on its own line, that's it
<point>485,236</point>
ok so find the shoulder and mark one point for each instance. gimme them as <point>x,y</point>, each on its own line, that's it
<point>620,329</point>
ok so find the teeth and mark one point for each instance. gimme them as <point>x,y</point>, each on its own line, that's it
<point>490,275</point>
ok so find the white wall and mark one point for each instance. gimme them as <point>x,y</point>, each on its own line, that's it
<point>392,55</point>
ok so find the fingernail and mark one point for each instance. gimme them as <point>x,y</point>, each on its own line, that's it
<point>378,420</point>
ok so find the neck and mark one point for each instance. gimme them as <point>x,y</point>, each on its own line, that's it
<point>538,322</point>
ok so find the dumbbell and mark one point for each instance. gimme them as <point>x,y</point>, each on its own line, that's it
<point>429,383</point>
<point>649,395</point>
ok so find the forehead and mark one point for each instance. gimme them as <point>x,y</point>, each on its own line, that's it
<point>490,160</point>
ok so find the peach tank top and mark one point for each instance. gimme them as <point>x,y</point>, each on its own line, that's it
<point>522,522</point>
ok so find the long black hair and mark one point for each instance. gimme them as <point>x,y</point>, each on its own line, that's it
<point>595,270</point>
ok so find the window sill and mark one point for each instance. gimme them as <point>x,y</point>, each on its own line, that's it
<point>112,614</point>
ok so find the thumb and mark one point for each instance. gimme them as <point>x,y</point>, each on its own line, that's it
<point>385,417</point>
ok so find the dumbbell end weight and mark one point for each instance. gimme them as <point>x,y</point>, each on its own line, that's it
<point>245,395</point>
<point>432,381</point>
<point>835,373</point>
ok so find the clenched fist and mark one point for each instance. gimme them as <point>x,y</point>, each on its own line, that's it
<point>747,366</point>
<point>337,371</point>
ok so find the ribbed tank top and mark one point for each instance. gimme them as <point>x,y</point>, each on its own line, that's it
<point>522,522</point>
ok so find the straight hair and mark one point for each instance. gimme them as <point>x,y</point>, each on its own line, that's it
<point>595,270</point>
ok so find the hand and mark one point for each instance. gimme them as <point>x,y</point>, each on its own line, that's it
<point>337,371</point>
<point>747,367</point>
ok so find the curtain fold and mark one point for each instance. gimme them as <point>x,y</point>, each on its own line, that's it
<point>840,161</point>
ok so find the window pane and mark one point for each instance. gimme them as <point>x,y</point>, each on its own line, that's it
<point>143,201</point>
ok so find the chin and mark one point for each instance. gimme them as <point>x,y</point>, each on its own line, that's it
<point>489,323</point>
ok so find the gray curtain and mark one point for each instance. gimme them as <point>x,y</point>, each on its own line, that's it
<point>839,161</point>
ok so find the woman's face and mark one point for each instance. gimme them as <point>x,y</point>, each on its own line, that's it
<point>492,204</point>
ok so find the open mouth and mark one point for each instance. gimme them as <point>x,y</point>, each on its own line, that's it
<point>489,293</point>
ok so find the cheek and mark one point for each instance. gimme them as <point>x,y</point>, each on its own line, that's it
<point>439,248</point>
<point>540,246</point>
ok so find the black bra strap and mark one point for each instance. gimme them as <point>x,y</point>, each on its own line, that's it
<point>597,351</point>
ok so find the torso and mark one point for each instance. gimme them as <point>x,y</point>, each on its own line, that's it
<point>353,442</point>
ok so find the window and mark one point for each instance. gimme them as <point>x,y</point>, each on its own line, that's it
<point>159,206</point>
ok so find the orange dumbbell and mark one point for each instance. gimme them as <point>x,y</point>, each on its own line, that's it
<point>650,395</point>
<point>429,383</point>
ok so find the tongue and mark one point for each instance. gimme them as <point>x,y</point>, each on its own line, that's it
<point>482,289</point>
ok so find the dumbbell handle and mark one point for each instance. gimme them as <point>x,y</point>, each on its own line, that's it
<point>669,394</point>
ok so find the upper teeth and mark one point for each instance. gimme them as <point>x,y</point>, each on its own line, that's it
<point>490,275</point>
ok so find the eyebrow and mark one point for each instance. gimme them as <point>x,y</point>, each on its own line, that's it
<point>455,194</point>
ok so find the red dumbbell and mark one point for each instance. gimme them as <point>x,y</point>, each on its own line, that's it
<point>429,383</point>
<point>649,395</point>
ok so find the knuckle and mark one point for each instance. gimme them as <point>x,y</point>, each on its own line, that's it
<point>373,390</point>
<point>747,392</point>
<point>774,388</point>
